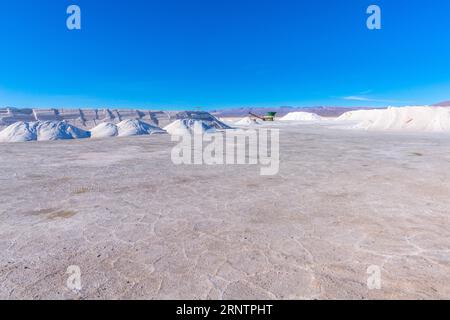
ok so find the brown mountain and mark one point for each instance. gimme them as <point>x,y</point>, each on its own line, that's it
<point>282,111</point>
<point>443,104</point>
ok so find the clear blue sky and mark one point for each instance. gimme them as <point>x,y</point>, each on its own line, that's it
<point>223,53</point>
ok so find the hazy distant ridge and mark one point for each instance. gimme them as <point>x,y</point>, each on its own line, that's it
<point>282,111</point>
<point>83,117</point>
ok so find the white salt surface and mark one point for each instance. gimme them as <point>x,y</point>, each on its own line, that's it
<point>344,200</point>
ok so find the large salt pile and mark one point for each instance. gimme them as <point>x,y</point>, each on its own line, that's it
<point>59,130</point>
<point>19,132</point>
<point>131,127</point>
<point>126,128</point>
<point>104,130</point>
<point>247,121</point>
<point>424,119</point>
<point>359,115</point>
<point>208,119</point>
<point>301,116</point>
<point>41,131</point>
<point>189,126</point>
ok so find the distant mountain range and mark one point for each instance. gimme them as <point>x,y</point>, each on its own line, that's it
<point>443,104</point>
<point>282,111</point>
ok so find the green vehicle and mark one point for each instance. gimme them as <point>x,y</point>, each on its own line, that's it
<point>270,116</point>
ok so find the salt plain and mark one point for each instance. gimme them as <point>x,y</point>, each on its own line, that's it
<point>140,227</point>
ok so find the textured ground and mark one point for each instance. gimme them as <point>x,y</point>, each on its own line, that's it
<point>140,227</point>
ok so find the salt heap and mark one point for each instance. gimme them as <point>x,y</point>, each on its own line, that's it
<point>19,132</point>
<point>104,130</point>
<point>301,116</point>
<point>126,128</point>
<point>131,127</point>
<point>41,131</point>
<point>359,115</point>
<point>424,119</point>
<point>59,130</point>
<point>208,119</point>
<point>189,126</point>
<point>247,121</point>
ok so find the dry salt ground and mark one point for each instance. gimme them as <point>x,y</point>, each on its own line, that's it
<point>402,119</point>
<point>140,227</point>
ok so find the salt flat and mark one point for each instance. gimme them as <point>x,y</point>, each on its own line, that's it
<point>140,227</point>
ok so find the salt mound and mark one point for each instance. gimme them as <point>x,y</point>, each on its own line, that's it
<point>247,121</point>
<point>19,132</point>
<point>208,119</point>
<point>104,130</point>
<point>301,116</point>
<point>41,131</point>
<point>132,127</point>
<point>359,115</point>
<point>424,119</point>
<point>189,126</point>
<point>59,130</point>
<point>126,128</point>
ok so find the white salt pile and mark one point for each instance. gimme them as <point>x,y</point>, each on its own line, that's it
<point>125,128</point>
<point>247,121</point>
<point>301,116</point>
<point>19,132</point>
<point>359,115</point>
<point>41,131</point>
<point>104,130</point>
<point>423,119</point>
<point>59,130</point>
<point>189,126</point>
<point>208,119</point>
<point>131,127</point>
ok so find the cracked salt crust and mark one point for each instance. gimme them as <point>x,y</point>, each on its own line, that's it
<point>143,228</point>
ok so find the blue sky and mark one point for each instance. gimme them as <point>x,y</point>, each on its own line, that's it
<point>217,54</point>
